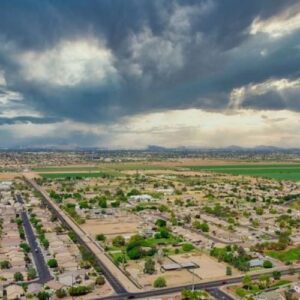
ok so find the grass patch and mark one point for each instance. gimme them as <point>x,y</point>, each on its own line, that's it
<point>289,255</point>
<point>281,282</point>
<point>150,242</point>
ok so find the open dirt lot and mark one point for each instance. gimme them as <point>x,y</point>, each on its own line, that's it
<point>111,227</point>
<point>8,176</point>
<point>173,278</point>
<point>209,267</point>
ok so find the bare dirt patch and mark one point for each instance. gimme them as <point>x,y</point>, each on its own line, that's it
<point>111,227</point>
<point>208,266</point>
<point>8,176</point>
<point>173,278</point>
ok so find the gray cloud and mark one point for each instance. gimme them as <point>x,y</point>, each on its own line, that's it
<point>27,119</point>
<point>96,62</point>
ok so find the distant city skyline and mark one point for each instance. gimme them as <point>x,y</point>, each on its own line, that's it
<point>127,74</point>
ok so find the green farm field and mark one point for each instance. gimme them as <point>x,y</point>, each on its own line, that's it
<point>273,171</point>
<point>104,167</point>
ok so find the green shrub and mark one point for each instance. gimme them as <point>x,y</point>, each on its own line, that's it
<point>100,280</point>
<point>61,293</point>
<point>118,241</point>
<point>31,274</point>
<point>149,267</point>
<point>5,264</point>
<point>187,247</point>
<point>18,276</point>
<point>160,282</point>
<point>100,237</point>
<point>79,290</point>
<point>52,263</point>
<point>25,247</point>
<point>267,264</point>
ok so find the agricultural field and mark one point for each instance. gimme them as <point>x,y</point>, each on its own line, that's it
<point>102,167</point>
<point>273,171</point>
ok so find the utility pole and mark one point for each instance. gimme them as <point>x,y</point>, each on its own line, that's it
<point>193,286</point>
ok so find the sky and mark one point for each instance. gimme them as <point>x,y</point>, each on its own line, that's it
<point>127,74</point>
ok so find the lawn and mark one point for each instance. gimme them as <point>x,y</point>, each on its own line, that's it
<point>150,242</point>
<point>274,171</point>
<point>289,255</point>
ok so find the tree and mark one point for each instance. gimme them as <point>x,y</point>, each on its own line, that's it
<point>276,275</point>
<point>5,264</point>
<point>264,280</point>
<point>18,276</point>
<point>61,293</point>
<point>103,202</point>
<point>161,223</point>
<point>247,281</point>
<point>79,290</point>
<point>267,264</point>
<point>149,267</point>
<point>133,192</point>
<point>31,274</point>
<point>45,243</point>
<point>160,282</point>
<point>135,253</point>
<point>100,280</point>
<point>228,271</point>
<point>43,295</point>
<point>187,247</point>
<point>187,294</point>
<point>204,227</point>
<point>118,241</point>
<point>100,237</point>
<point>115,203</point>
<point>52,263</point>
<point>25,247</point>
<point>164,233</point>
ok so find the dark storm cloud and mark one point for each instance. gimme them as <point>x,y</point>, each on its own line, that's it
<point>166,55</point>
<point>27,119</point>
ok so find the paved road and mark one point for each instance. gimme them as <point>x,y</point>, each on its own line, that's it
<point>218,294</point>
<point>210,286</point>
<point>41,265</point>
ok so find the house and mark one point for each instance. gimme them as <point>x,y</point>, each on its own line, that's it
<point>272,295</point>
<point>168,191</point>
<point>177,266</point>
<point>296,287</point>
<point>5,185</point>
<point>138,198</point>
<point>254,263</point>
<point>149,232</point>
